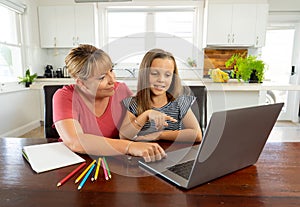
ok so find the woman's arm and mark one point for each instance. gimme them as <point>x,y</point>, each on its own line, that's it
<point>73,136</point>
<point>132,125</point>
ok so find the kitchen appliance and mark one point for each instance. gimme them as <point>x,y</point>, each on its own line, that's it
<point>59,73</point>
<point>48,71</point>
<point>65,72</point>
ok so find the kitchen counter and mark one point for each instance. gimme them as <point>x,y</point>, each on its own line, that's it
<point>40,82</point>
<point>221,96</point>
<point>234,85</point>
<point>231,85</point>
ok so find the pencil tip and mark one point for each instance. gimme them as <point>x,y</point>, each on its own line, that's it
<point>58,184</point>
<point>79,187</point>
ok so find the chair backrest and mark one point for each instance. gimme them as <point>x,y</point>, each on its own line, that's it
<point>49,90</point>
<point>200,105</point>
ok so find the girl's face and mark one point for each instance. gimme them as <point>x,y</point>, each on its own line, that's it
<point>161,74</point>
<point>101,84</point>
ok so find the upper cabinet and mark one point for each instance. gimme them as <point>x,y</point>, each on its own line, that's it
<point>66,26</point>
<point>262,11</point>
<point>235,24</point>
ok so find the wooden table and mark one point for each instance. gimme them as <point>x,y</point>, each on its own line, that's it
<point>273,181</point>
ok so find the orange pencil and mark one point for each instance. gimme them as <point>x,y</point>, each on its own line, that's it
<point>70,175</point>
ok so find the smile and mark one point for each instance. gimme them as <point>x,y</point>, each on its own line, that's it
<point>160,87</point>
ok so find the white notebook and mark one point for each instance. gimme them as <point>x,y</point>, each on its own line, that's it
<point>50,156</point>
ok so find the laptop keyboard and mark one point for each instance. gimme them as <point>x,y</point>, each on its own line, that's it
<point>182,169</point>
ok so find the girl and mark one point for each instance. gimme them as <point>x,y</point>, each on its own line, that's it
<point>160,110</point>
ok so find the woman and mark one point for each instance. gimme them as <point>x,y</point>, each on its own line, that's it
<point>87,114</point>
<point>160,109</point>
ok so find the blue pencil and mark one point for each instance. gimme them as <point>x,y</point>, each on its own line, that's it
<point>86,177</point>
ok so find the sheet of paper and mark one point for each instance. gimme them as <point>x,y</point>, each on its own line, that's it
<point>50,156</point>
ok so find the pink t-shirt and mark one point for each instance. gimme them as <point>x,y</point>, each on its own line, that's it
<point>68,104</point>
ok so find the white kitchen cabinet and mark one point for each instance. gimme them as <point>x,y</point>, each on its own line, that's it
<point>47,26</point>
<point>262,11</point>
<point>85,25</point>
<point>66,26</point>
<point>231,24</point>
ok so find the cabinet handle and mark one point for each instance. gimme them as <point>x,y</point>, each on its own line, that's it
<point>257,38</point>
<point>232,38</point>
<point>54,41</point>
<point>228,38</point>
<point>77,41</point>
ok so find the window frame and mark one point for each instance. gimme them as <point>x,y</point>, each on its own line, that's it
<point>197,33</point>
<point>12,82</point>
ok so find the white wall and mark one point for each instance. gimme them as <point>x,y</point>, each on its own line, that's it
<point>19,112</point>
<point>34,55</point>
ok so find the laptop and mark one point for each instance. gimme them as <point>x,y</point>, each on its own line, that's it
<point>234,139</point>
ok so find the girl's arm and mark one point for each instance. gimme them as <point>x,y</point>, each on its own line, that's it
<point>191,133</point>
<point>73,136</point>
<point>132,125</point>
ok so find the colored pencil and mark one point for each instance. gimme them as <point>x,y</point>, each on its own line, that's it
<point>84,172</point>
<point>104,170</point>
<point>107,168</point>
<point>70,175</point>
<point>86,177</point>
<point>97,170</point>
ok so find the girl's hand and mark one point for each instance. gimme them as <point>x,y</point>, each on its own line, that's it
<point>149,151</point>
<point>160,119</point>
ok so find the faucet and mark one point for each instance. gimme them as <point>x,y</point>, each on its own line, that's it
<point>131,71</point>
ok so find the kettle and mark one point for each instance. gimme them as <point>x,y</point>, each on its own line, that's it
<point>65,72</point>
<point>48,71</point>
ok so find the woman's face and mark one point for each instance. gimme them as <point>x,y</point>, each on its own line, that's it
<point>161,74</point>
<point>101,84</point>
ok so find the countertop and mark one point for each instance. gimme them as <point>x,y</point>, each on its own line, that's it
<point>231,85</point>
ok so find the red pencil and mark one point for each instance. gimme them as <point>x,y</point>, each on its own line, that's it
<point>70,175</point>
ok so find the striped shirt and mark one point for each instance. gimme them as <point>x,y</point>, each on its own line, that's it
<point>176,109</point>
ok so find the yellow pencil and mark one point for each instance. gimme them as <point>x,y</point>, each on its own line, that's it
<point>97,170</point>
<point>84,172</point>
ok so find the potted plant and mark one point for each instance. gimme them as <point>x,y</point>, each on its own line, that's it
<point>28,78</point>
<point>247,68</point>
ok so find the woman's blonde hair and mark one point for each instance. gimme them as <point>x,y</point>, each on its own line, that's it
<point>143,96</point>
<point>83,60</point>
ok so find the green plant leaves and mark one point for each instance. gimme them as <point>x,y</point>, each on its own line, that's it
<point>243,66</point>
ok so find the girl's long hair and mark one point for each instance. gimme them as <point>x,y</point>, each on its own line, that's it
<point>143,96</point>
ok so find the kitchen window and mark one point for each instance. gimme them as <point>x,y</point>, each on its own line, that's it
<point>146,27</point>
<point>10,45</point>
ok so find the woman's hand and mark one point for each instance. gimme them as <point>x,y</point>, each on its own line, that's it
<point>159,119</point>
<point>149,151</point>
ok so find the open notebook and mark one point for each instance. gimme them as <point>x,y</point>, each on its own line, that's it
<point>50,156</point>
